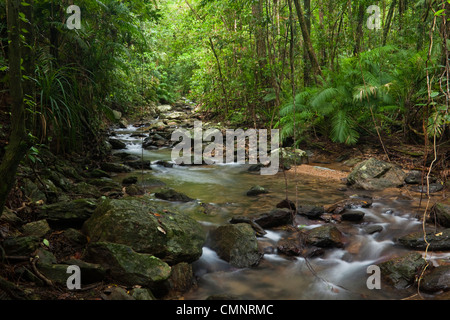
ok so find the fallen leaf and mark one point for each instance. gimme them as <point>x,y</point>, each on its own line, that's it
<point>438,234</point>
<point>162,230</point>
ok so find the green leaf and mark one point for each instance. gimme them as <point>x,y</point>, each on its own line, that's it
<point>46,243</point>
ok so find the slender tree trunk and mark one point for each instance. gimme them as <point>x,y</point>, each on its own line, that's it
<point>307,40</point>
<point>359,29</point>
<point>388,21</point>
<point>260,42</point>
<point>17,144</point>
<point>306,61</point>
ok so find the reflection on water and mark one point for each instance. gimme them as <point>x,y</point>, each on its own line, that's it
<point>339,274</point>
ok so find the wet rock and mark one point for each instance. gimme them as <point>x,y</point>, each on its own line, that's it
<point>139,164</point>
<point>310,211</point>
<point>134,190</point>
<point>295,245</point>
<point>414,177</point>
<point>236,244</point>
<point>115,167</point>
<point>352,203</point>
<point>126,265</point>
<point>373,228</point>
<point>287,204</point>
<point>172,195</point>
<point>146,228</point>
<point>436,280</point>
<point>97,173</point>
<point>401,271</point>
<point>256,190</point>
<point>129,180</point>
<point>441,214</point>
<point>68,214</point>
<point>439,241</point>
<point>433,188</point>
<point>275,218</point>
<point>291,156</point>
<point>85,190</point>
<point>105,185</point>
<point>375,174</point>
<point>117,144</point>
<point>37,228</point>
<point>352,215</point>
<point>164,163</point>
<point>181,279</point>
<point>241,219</point>
<point>325,236</point>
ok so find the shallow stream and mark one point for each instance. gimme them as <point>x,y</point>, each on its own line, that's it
<point>339,274</point>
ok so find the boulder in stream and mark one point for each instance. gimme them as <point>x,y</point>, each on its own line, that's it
<point>402,271</point>
<point>140,224</point>
<point>172,195</point>
<point>374,174</point>
<point>325,236</point>
<point>236,244</point>
<point>128,266</point>
<point>438,241</point>
<point>441,214</point>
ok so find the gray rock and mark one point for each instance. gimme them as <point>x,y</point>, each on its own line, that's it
<point>172,195</point>
<point>117,144</point>
<point>147,228</point>
<point>353,215</point>
<point>437,280</point>
<point>325,236</point>
<point>310,211</point>
<point>256,190</point>
<point>37,228</point>
<point>274,218</point>
<point>438,241</point>
<point>441,214</point>
<point>236,244</point>
<point>71,213</point>
<point>375,174</point>
<point>401,271</point>
<point>115,167</point>
<point>20,246</point>
<point>126,265</point>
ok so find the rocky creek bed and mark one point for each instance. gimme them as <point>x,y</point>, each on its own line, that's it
<point>140,227</point>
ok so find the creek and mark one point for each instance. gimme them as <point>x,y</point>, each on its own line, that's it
<point>341,273</point>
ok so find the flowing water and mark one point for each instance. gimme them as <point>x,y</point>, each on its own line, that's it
<point>338,274</point>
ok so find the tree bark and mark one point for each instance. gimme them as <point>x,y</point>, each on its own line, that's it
<point>388,21</point>
<point>307,40</point>
<point>18,142</point>
<point>307,63</point>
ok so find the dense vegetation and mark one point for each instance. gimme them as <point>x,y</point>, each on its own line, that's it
<point>310,68</point>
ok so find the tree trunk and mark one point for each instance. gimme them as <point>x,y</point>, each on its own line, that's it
<point>307,40</point>
<point>388,21</point>
<point>307,63</point>
<point>18,143</point>
<point>359,30</point>
<point>260,41</point>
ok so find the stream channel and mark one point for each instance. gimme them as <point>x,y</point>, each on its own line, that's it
<point>341,273</point>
